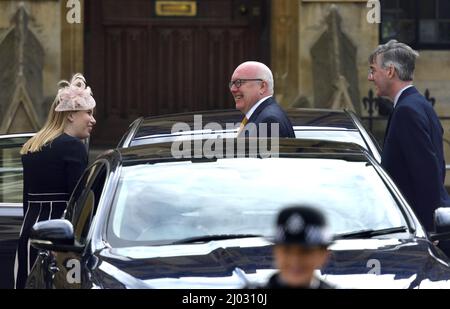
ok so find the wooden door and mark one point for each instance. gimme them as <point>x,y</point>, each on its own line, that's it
<point>139,63</point>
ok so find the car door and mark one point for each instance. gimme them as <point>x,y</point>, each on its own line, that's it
<point>66,269</point>
<point>11,210</point>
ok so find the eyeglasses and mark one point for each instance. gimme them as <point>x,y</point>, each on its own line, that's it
<point>238,82</point>
<point>371,71</point>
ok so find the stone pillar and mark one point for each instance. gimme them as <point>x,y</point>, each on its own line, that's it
<point>284,49</point>
<point>72,42</point>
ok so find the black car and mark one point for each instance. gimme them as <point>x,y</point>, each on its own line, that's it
<point>308,123</point>
<point>141,218</point>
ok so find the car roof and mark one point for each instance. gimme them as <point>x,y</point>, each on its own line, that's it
<point>14,140</point>
<point>288,147</point>
<point>311,117</point>
<point>14,135</point>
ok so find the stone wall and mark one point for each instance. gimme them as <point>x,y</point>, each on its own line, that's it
<point>44,22</point>
<point>297,26</point>
<point>33,80</point>
<point>432,72</point>
<point>292,46</point>
<point>312,25</point>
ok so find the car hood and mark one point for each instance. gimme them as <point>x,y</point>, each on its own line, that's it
<point>368,263</point>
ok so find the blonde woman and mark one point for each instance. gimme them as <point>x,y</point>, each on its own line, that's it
<point>53,161</point>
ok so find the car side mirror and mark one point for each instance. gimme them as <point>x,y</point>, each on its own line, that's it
<point>441,224</point>
<point>54,235</point>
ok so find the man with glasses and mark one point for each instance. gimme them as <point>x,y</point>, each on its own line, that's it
<point>413,153</point>
<point>252,88</point>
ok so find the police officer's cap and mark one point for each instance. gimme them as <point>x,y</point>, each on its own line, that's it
<point>302,225</point>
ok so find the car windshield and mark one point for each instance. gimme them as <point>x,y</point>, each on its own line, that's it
<point>165,202</point>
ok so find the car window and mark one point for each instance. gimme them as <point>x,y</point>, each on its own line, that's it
<point>84,201</point>
<point>347,136</point>
<point>11,176</point>
<point>164,202</point>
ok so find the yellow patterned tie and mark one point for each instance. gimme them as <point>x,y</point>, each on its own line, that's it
<point>243,123</point>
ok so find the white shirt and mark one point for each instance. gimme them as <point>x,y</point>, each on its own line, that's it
<point>400,93</point>
<point>254,107</point>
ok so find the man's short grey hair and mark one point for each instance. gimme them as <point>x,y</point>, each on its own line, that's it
<point>263,72</point>
<point>267,75</point>
<point>400,55</point>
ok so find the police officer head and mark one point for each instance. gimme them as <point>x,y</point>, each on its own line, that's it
<point>301,244</point>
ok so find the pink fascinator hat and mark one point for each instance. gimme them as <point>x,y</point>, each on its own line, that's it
<point>74,96</point>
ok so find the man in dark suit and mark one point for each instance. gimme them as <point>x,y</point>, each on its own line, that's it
<point>413,152</point>
<point>252,89</point>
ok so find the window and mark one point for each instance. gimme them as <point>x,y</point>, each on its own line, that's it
<point>84,201</point>
<point>423,24</point>
<point>11,176</point>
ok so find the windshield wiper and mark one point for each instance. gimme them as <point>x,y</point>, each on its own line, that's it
<point>371,233</point>
<point>206,238</point>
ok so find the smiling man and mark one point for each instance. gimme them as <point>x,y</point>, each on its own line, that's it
<point>413,152</point>
<point>252,89</point>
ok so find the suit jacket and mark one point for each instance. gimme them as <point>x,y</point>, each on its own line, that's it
<point>413,154</point>
<point>268,112</point>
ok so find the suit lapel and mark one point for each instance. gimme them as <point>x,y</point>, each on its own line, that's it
<point>259,109</point>
<point>405,94</point>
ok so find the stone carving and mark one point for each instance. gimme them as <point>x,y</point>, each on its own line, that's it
<point>341,98</point>
<point>21,64</point>
<point>334,67</point>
